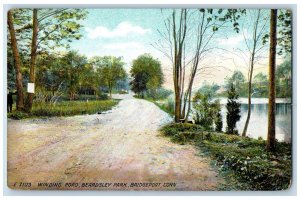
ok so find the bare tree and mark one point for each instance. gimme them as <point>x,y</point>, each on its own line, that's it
<point>254,45</point>
<point>186,42</point>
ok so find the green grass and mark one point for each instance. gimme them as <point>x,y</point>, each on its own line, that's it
<point>65,108</point>
<point>243,159</point>
<point>167,105</point>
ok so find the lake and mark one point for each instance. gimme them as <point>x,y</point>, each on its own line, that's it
<point>258,125</point>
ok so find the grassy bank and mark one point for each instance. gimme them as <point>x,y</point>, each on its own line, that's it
<point>166,105</point>
<point>65,108</point>
<point>244,158</point>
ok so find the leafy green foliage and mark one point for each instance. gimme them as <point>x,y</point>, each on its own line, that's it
<point>57,28</point>
<point>158,94</point>
<point>217,17</point>
<point>209,89</point>
<point>237,79</point>
<point>110,70</point>
<point>284,79</point>
<point>206,112</point>
<point>147,75</point>
<point>260,85</point>
<point>233,111</point>
<point>284,39</point>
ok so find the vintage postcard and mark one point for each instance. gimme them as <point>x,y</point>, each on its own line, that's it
<point>185,99</point>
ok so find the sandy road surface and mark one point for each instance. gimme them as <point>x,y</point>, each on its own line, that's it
<point>121,146</point>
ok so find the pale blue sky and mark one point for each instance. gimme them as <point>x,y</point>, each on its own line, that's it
<point>130,33</point>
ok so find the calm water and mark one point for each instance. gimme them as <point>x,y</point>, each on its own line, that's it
<point>258,125</point>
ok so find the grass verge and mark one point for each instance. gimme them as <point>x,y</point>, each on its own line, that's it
<point>243,159</point>
<point>166,105</point>
<point>65,108</point>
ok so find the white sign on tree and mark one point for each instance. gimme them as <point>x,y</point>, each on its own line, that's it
<point>30,87</point>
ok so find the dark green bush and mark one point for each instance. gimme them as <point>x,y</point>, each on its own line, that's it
<point>180,132</point>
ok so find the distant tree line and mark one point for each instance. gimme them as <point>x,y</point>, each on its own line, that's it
<point>73,75</point>
<point>259,84</point>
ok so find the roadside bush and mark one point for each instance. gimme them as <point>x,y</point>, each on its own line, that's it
<point>180,132</point>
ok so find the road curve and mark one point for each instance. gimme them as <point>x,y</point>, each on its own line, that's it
<point>122,145</point>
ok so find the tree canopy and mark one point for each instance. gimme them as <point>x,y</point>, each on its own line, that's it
<point>146,73</point>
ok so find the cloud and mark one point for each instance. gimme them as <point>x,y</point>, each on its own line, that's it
<point>124,46</point>
<point>123,29</point>
<point>231,41</point>
<point>235,40</point>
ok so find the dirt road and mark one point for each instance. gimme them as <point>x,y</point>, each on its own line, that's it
<point>122,145</point>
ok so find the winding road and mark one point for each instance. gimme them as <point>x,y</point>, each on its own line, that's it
<point>122,145</point>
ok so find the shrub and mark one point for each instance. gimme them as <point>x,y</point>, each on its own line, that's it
<point>180,132</point>
<point>233,111</point>
<point>207,112</point>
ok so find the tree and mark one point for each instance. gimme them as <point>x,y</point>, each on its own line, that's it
<point>237,79</point>
<point>17,61</point>
<point>260,85</point>
<point>209,89</point>
<point>48,29</point>
<point>272,96</point>
<point>29,99</point>
<point>254,46</point>
<point>74,65</point>
<point>283,76</point>
<point>147,75</point>
<point>233,110</point>
<point>284,38</point>
<point>110,70</point>
<point>198,43</point>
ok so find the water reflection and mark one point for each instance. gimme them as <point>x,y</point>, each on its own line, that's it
<point>258,125</point>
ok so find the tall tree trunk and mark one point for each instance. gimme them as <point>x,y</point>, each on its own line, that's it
<point>29,99</point>
<point>272,96</point>
<point>17,62</point>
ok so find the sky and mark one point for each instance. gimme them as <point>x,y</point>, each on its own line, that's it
<point>132,32</point>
